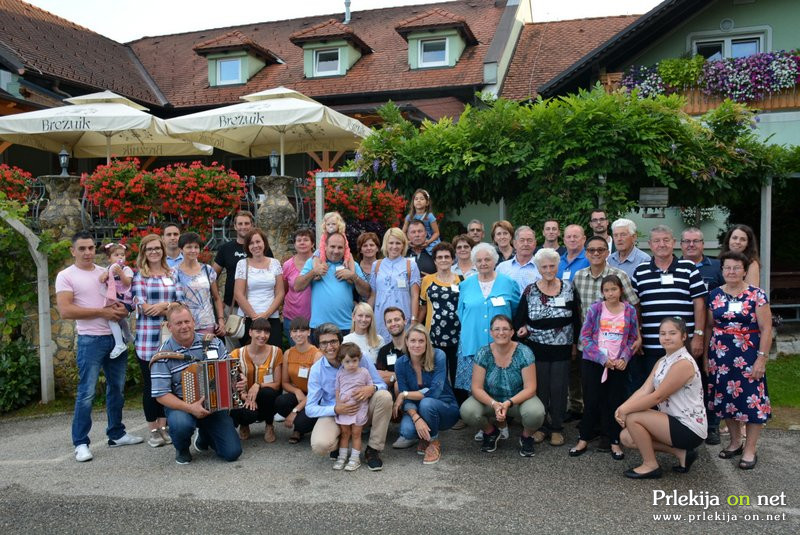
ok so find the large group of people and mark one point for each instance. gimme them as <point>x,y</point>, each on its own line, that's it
<point>650,353</point>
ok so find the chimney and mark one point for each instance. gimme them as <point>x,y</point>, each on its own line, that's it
<point>347,11</point>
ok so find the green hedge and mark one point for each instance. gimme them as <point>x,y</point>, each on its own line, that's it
<point>19,374</point>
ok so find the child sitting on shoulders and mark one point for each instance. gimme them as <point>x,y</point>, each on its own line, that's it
<point>117,279</point>
<point>333,223</point>
<point>422,209</point>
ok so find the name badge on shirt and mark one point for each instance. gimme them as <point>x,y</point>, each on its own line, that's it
<point>391,358</point>
<point>302,373</point>
<point>454,288</point>
<point>559,302</point>
<point>498,301</point>
<point>566,276</point>
<point>604,351</point>
<point>212,354</point>
<point>735,307</point>
<point>401,282</point>
<point>167,281</point>
<point>667,278</point>
<point>339,268</point>
<point>268,378</point>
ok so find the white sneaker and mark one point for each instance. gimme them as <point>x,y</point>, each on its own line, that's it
<point>403,443</point>
<point>479,436</point>
<point>279,418</point>
<point>353,463</point>
<point>125,440</point>
<point>82,453</point>
<point>118,350</point>
<point>504,433</point>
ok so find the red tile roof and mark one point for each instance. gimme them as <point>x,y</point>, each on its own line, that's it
<point>42,43</point>
<point>182,75</point>
<point>234,40</point>
<point>327,31</point>
<point>545,49</point>
<point>435,19</point>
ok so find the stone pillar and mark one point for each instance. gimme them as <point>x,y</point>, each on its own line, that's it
<point>63,217</point>
<point>277,215</point>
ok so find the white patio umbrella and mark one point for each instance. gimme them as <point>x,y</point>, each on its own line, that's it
<point>97,125</point>
<point>277,119</point>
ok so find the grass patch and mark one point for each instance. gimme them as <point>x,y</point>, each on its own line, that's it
<point>133,400</point>
<point>783,378</point>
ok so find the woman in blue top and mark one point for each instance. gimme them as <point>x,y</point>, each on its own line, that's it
<point>395,281</point>
<point>503,386</point>
<point>426,399</point>
<point>481,298</point>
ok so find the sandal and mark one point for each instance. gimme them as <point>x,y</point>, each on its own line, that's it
<point>748,465</point>
<point>269,434</point>
<point>730,454</point>
<point>295,438</point>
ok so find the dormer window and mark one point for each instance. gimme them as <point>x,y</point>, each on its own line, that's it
<point>234,58</point>
<point>229,71</point>
<point>329,49</point>
<point>326,62</point>
<point>436,38</point>
<point>433,52</point>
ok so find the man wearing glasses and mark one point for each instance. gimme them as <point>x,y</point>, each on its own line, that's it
<point>475,231</point>
<point>667,287</point>
<point>321,401</point>
<point>692,245</point>
<point>598,221</point>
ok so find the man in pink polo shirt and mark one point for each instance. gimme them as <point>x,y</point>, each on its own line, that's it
<point>80,296</point>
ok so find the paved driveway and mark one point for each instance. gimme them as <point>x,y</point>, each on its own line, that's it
<point>279,488</point>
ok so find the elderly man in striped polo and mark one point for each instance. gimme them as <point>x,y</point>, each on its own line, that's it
<point>667,287</point>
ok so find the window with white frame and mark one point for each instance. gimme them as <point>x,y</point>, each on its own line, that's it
<point>326,62</point>
<point>738,46</point>
<point>229,71</point>
<point>433,52</point>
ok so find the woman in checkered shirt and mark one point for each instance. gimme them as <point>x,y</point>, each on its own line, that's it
<point>154,289</point>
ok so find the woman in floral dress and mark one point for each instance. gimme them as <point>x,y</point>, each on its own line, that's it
<point>740,323</point>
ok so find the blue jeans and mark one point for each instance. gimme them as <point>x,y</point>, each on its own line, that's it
<point>216,430</point>
<point>436,413</point>
<point>94,354</point>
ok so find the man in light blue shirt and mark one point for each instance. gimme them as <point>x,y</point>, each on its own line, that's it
<point>171,234</point>
<point>627,257</point>
<point>332,285</point>
<point>575,257</point>
<point>321,401</point>
<point>521,267</point>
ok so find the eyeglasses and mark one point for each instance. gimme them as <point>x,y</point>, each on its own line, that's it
<point>326,343</point>
<point>691,242</point>
<point>443,259</point>
<point>502,329</point>
<point>599,250</point>
<point>598,219</point>
<point>152,250</point>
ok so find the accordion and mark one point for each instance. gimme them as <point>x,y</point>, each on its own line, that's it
<point>215,380</point>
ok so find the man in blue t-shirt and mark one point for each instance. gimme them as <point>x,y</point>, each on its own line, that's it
<point>332,286</point>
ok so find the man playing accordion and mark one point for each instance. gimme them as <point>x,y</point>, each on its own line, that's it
<point>214,429</point>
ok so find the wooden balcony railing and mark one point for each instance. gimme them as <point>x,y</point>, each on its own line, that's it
<point>698,103</point>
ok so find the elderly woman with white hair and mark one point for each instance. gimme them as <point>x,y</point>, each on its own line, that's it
<point>548,321</point>
<point>481,298</point>
<point>395,281</point>
<point>627,256</point>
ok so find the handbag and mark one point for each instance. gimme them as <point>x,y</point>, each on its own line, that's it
<point>234,325</point>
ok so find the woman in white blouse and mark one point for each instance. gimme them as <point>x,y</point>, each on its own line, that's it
<point>259,289</point>
<point>679,425</point>
<point>363,332</point>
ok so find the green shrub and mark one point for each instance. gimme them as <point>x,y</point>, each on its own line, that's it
<point>19,374</point>
<point>681,73</point>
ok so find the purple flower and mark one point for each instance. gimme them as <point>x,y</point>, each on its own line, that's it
<point>394,165</point>
<point>376,165</point>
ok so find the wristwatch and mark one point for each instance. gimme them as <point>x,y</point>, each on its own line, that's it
<point>392,379</point>
<point>698,332</point>
<point>404,393</point>
<point>295,410</point>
